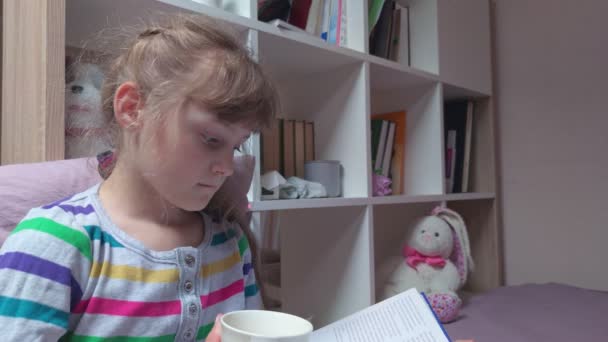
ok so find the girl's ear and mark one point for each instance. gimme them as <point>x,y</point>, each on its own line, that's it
<point>127,105</point>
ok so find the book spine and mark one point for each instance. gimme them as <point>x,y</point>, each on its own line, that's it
<point>388,151</point>
<point>381,146</point>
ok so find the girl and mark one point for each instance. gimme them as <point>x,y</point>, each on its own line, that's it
<point>135,258</point>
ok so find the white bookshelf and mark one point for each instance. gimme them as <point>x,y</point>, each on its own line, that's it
<point>331,247</point>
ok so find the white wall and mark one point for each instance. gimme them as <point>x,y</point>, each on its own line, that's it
<point>552,98</point>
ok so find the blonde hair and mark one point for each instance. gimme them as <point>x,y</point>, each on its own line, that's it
<point>184,58</point>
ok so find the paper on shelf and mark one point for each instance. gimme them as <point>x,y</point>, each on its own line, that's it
<point>403,318</point>
<point>271,180</point>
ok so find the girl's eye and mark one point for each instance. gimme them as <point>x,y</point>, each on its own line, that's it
<point>211,140</point>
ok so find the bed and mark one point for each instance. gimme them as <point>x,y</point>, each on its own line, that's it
<point>534,312</point>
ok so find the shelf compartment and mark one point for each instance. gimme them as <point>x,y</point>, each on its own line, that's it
<point>335,100</point>
<point>480,216</point>
<point>325,262</point>
<point>482,151</point>
<point>392,226</point>
<point>423,162</point>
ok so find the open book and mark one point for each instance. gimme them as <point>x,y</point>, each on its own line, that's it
<point>406,317</point>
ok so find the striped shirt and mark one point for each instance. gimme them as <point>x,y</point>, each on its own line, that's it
<point>68,273</point>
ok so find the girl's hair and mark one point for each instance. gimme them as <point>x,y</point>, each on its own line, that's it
<point>183,58</point>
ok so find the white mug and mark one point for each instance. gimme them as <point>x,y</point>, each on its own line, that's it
<point>264,326</point>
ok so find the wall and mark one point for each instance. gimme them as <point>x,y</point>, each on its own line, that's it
<point>552,91</point>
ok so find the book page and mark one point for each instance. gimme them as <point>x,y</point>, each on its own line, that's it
<point>406,317</point>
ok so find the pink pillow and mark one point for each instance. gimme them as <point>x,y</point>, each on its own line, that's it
<point>26,186</point>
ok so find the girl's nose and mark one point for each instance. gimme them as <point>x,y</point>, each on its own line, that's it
<point>225,166</point>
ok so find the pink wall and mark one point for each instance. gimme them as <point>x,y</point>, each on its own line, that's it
<point>552,98</point>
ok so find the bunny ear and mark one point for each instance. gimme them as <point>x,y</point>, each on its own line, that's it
<point>462,249</point>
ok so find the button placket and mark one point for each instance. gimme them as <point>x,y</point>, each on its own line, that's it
<point>188,334</point>
<point>187,261</point>
<point>192,308</point>
<point>190,260</point>
<point>188,286</point>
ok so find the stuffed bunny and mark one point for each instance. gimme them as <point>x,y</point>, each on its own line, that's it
<point>86,128</point>
<point>436,260</point>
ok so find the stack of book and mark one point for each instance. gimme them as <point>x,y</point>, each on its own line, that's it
<point>325,19</point>
<point>388,147</point>
<point>389,31</point>
<point>286,146</point>
<point>458,126</point>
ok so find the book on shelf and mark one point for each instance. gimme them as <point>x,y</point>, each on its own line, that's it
<point>458,126</point>
<point>388,150</point>
<point>381,145</point>
<point>325,19</point>
<point>299,148</point>
<point>389,31</point>
<point>450,150</point>
<point>271,141</point>
<point>286,145</point>
<point>289,145</point>
<point>394,166</point>
<point>309,139</point>
<point>404,317</point>
<point>379,38</point>
<point>298,14</point>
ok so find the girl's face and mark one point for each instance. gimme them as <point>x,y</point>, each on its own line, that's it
<point>188,155</point>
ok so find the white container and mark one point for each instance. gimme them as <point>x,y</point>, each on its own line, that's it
<point>264,326</point>
<point>326,172</point>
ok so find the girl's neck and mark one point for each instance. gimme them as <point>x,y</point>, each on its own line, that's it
<point>126,194</point>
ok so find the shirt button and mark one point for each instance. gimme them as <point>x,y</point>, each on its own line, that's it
<point>188,286</point>
<point>189,260</point>
<point>188,334</point>
<point>192,308</point>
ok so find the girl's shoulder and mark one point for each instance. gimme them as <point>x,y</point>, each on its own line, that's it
<point>66,220</point>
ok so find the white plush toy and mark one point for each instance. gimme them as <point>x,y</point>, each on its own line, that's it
<point>86,128</point>
<point>436,260</point>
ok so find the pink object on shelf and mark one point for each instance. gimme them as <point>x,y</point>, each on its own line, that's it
<point>381,186</point>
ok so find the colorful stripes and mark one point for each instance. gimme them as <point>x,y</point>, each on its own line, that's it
<point>116,307</point>
<point>202,334</point>
<point>221,265</point>
<point>72,209</point>
<point>96,233</point>
<point>56,203</point>
<point>251,290</point>
<point>204,331</point>
<point>71,337</point>
<point>243,245</point>
<point>132,273</point>
<point>246,269</point>
<point>43,268</point>
<point>76,210</point>
<point>71,236</point>
<point>222,294</point>
<point>21,308</point>
<point>222,237</point>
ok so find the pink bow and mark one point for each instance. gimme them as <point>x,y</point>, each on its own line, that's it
<point>413,258</point>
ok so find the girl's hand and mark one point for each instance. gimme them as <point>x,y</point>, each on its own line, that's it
<point>215,335</point>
